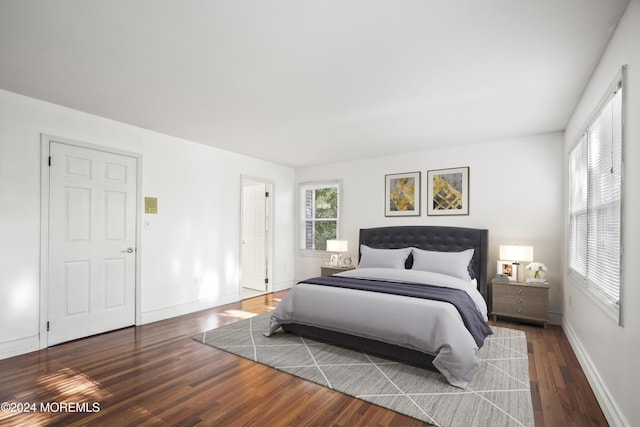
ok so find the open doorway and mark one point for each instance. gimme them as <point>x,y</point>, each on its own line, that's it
<point>256,237</point>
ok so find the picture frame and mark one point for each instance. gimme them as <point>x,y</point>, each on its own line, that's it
<point>508,268</point>
<point>448,191</point>
<point>334,260</point>
<point>402,194</point>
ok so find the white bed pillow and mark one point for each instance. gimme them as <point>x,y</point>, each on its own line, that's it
<point>383,258</point>
<point>455,264</point>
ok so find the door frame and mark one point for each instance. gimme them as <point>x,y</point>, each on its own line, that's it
<point>269,252</point>
<point>45,190</point>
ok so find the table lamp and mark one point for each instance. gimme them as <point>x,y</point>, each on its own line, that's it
<point>516,254</point>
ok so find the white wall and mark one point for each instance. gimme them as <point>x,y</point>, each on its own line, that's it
<point>195,235</point>
<point>515,192</point>
<point>608,352</point>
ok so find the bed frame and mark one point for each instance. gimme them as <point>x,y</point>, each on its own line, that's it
<point>433,238</point>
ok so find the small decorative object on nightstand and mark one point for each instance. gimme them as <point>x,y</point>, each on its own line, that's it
<point>328,270</point>
<point>528,302</point>
<point>536,273</point>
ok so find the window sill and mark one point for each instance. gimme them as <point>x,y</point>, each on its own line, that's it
<point>313,254</point>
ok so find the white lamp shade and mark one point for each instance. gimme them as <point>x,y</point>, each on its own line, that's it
<point>516,253</point>
<point>337,246</point>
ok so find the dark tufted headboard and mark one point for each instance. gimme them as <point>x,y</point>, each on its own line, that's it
<point>434,238</point>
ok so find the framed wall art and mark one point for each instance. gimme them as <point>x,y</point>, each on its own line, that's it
<point>448,191</point>
<point>402,194</point>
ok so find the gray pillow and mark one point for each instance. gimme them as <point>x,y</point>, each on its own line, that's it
<point>454,264</point>
<point>383,258</point>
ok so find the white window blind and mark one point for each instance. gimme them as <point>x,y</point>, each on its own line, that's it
<point>595,196</point>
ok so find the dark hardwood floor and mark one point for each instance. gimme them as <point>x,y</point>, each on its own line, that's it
<point>157,375</point>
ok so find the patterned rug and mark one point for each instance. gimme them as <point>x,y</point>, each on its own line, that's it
<point>498,394</point>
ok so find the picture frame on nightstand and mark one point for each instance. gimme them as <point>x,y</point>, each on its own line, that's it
<point>509,269</point>
<point>334,260</point>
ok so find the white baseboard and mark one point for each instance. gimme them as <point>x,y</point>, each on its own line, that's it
<point>185,308</point>
<point>609,407</point>
<point>18,346</point>
<point>281,286</point>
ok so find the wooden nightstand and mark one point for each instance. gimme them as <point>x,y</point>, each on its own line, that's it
<point>524,301</point>
<point>328,270</point>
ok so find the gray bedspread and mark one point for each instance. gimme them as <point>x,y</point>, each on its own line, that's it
<point>471,317</point>
<point>432,327</point>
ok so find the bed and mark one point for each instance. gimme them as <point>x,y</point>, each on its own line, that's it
<point>418,295</point>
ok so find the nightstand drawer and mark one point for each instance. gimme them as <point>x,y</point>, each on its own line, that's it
<point>518,291</point>
<point>520,307</point>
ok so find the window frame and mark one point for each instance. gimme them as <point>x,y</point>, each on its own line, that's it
<point>576,278</point>
<point>302,188</point>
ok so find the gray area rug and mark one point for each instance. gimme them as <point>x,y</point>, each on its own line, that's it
<point>498,395</point>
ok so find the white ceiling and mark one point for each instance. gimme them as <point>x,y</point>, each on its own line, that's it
<point>301,82</point>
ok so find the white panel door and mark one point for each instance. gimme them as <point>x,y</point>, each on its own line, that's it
<point>92,233</point>
<point>254,237</point>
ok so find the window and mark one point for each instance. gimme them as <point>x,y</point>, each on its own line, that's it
<point>595,199</point>
<point>319,214</point>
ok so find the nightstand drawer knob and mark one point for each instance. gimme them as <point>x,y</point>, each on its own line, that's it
<point>519,291</point>
<point>519,310</point>
<point>520,301</point>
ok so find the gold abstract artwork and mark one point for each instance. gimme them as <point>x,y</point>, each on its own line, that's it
<point>445,194</point>
<point>402,196</point>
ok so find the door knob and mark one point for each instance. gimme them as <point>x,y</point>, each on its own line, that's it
<point>129,250</point>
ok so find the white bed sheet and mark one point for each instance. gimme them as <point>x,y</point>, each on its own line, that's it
<point>428,326</point>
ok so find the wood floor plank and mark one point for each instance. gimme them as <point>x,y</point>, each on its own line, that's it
<point>156,374</point>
